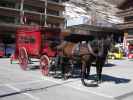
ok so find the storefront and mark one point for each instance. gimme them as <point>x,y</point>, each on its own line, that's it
<point>127,26</point>
<point>7,43</point>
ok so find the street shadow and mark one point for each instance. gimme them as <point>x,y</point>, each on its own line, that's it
<point>109,65</point>
<point>108,78</point>
<point>33,67</point>
<point>106,65</point>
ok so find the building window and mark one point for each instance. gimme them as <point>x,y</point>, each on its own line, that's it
<point>32,8</point>
<point>130,31</point>
<point>53,12</point>
<point>31,22</point>
<point>56,25</point>
<point>8,4</point>
<point>54,0</point>
<point>7,19</point>
<point>129,18</point>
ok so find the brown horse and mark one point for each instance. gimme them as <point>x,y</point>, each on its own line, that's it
<point>67,55</point>
<point>69,52</point>
<point>88,53</point>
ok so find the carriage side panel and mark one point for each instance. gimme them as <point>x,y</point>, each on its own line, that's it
<point>51,40</point>
<point>30,40</point>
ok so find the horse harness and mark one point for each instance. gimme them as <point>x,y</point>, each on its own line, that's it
<point>85,46</point>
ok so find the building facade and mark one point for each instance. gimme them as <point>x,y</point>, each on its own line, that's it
<point>14,13</point>
<point>97,31</point>
<point>126,13</point>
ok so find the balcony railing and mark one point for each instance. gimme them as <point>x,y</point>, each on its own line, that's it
<point>125,25</point>
<point>128,19</point>
<point>7,4</point>
<point>125,13</point>
<point>54,0</point>
<point>7,19</point>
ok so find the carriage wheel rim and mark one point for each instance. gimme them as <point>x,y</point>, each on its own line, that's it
<point>23,58</point>
<point>44,65</point>
<point>23,64</point>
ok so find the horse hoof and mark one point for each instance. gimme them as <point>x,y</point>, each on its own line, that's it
<point>64,78</point>
<point>99,82</point>
<point>94,82</point>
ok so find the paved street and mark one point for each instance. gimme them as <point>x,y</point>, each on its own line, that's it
<point>16,84</point>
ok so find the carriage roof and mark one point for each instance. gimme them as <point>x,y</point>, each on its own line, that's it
<point>73,37</point>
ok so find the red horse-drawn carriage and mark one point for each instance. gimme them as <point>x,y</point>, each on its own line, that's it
<point>36,42</point>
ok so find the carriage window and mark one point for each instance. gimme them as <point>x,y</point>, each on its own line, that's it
<point>32,39</point>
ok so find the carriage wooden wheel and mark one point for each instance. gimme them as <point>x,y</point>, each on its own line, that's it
<point>23,58</point>
<point>44,65</point>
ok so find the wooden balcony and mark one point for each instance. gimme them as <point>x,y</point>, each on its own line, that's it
<point>31,14</point>
<point>125,25</point>
<point>41,3</point>
<point>9,11</point>
<point>125,13</point>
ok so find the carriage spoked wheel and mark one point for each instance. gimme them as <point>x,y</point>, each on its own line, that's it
<point>23,58</point>
<point>44,65</point>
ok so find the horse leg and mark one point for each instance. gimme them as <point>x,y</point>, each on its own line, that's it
<point>83,72</point>
<point>65,67</point>
<point>62,66</point>
<point>88,70</point>
<point>71,67</point>
<point>63,71</point>
<point>99,72</point>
